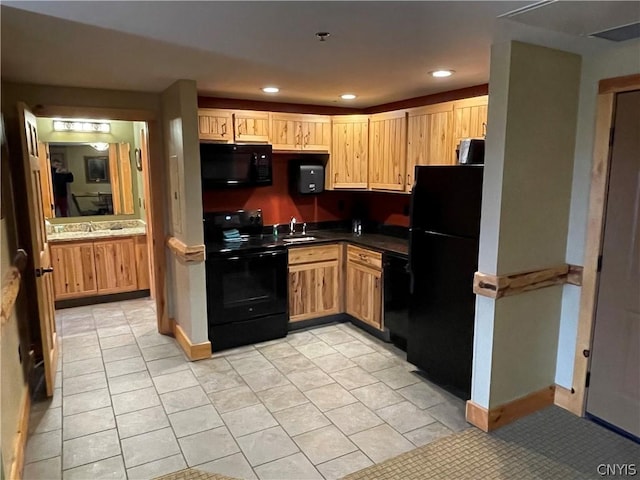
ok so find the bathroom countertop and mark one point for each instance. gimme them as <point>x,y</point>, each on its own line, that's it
<point>95,230</point>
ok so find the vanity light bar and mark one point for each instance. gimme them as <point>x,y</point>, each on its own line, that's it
<point>75,126</point>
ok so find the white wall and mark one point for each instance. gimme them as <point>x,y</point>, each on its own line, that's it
<point>525,214</point>
<point>138,175</point>
<point>618,60</point>
<point>187,287</point>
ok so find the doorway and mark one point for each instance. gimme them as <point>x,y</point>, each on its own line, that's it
<point>95,206</point>
<point>147,152</point>
<point>614,384</point>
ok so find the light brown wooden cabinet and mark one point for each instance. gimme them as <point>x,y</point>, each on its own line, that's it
<point>74,270</point>
<point>99,267</point>
<point>215,125</point>
<point>315,133</point>
<point>296,132</point>
<point>349,162</point>
<point>429,137</point>
<point>388,151</point>
<point>285,134</point>
<point>115,266</point>
<point>363,286</point>
<point>314,282</point>
<point>142,262</point>
<point>469,120</point>
<point>251,126</point>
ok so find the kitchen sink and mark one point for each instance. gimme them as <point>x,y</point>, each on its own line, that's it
<point>298,239</point>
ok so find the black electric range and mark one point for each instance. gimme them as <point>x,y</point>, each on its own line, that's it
<point>246,281</point>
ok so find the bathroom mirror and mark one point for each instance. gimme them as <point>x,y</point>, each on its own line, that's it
<point>89,174</point>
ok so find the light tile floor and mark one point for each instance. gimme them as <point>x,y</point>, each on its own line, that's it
<point>319,403</point>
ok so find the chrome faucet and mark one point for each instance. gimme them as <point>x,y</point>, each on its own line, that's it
<point>292,226</point>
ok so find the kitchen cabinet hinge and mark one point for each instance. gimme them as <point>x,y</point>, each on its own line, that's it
<point>587,380</point>
<point>599,267</point>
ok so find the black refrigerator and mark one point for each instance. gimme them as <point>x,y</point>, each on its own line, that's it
<point>443,257</point>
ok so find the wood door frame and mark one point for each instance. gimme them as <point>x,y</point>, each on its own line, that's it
<point>605,116</point>
<point>156,197</point>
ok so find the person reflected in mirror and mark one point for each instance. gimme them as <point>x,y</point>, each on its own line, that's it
<point>60,177</point>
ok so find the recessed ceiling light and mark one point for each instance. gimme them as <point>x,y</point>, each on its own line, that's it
<point>270,89</point>
<point>347,96</point>
<point>441,73</point>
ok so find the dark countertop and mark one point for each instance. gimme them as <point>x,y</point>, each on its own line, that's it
<point>375,241</point>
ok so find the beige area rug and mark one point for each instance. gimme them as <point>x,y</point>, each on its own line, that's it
<point>548,445</point>
<point>193,474</point>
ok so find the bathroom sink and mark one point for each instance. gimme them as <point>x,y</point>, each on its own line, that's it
<point>298,239</point>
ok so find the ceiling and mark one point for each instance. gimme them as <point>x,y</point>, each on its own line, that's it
<point>381,51</point>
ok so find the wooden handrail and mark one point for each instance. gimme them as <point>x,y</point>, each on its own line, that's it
<point>498,286</point>
<point>11,285</point>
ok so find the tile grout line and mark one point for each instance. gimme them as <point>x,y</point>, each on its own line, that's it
<point>110,405</point>
<point>315,339</point>
<point>153,384</point>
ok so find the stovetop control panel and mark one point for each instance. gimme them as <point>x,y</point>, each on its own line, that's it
<point>248,222</point>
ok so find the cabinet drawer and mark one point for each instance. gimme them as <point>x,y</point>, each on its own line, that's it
<point>364,257</point>
<point>314,254</point>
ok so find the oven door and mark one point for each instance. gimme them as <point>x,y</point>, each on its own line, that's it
<point>246,285</point>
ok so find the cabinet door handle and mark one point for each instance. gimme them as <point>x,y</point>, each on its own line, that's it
<point>399,179</point>
<point>224,129</point>
<point>335,178</point>
<point>41,271</point>
<point>484,129</point>
<point>408,179</point>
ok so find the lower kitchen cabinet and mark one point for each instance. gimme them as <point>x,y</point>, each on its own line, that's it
<point>89,268</point>
<point>74,270</point>
<point>314,282</point>
<point>363,289</point>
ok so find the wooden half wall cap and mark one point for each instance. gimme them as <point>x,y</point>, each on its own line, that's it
<point>186,253</point>
<point>498,286</point>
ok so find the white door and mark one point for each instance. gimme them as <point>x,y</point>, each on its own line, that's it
<point>614,390</point>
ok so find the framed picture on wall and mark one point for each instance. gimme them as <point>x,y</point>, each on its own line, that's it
<point>96,169</point>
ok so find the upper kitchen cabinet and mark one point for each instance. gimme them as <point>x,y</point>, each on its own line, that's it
<point>250,126</point>
<point>315,132</point>
<point>295,132</point>
<point>430,137</point>
<point>348,165</point>
<point>215,125</point>
<point>469,120</point>
<point>285,134</point>
<point>388,151</point>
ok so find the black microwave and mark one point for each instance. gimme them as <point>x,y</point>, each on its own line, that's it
<point>227,165</point>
